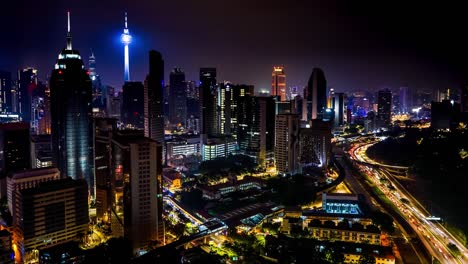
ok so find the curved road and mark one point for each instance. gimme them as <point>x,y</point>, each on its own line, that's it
<point>434,236</point>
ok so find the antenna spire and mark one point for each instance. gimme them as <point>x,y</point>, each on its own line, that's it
<point>69,38</point>
<point>126,20</point>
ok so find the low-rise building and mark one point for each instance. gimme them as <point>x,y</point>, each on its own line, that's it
<point>212,192</point>
<point>172,179</point>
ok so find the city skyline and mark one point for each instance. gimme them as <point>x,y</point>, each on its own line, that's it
<point>352,41</point>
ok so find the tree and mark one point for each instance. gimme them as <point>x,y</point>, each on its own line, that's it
<point>193,199</point>
<point>454,249</point>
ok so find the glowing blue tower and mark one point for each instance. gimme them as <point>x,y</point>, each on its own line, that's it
<point>126,39</point>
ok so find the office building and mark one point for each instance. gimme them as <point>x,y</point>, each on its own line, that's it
<point>208,103</point>
<point>5,92</point>
<point>103,131</point>
<point>137,189</point>
<point>41,145</point>
<point>27,82</point>
<point>178,97</point>
<point>14,147</point>
<point>287,143</point>
<point>99,97</point>
<point>339,104</point>
<point>316,95</point>
<point>315,145</point>
<point>228,100</point>
<point>71,112</point>
<point>384,103</point>
<point>278,83</point>
<point>256,128</point>
<point>219,146</point>
<point>53,212</point>
<point>132,111</point>
<point>153,98</point>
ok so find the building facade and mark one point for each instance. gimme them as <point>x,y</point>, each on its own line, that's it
<point>278,83</point>
<point>71,113</point>
<point>287,143</point>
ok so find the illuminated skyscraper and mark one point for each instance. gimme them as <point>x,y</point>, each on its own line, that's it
<point>384,112</point>
<point>70,102</point>
<point>278,82</point>
<point>5,92</point>
<point>316,95</point>
<point>126,39</point>
<point>27,82</point>
<point>207,102</point>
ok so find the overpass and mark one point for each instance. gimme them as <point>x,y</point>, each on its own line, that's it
<point>212,226</point>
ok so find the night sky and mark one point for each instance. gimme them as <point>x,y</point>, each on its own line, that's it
<point>361,45</point>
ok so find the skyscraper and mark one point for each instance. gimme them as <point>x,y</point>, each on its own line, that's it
<point>384,110</point>
<point>287,143</point>
<point>228,97</point>
<point>339,106</point>
<point>98,95</point>
<point>5,92</point>
<point>132,112</point>
<point>14,147</point>
<point>178,97</point>
<point>126,39</point>
<point>27,82</point>
<point>137,182</point>
<point>315,145</point>
<point>153,99</point>
<point>406,100</point>
<point>70,101</point>
<point>256,128</point>
<point>207,102</point>
<point>316,95</point>
<point>278,82</point>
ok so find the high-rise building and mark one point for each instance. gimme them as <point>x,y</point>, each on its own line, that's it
<point>287,143</point>
<point>137,189</point>
<point>178,97</point>
<point>43,113</point>
<point>405,100</point>
<point>27,82</point>
<point>316,95</point>
<point>227,101</point>
<point>339,104</point>
<point>71,112</point>
<point>126,39</point>
<point>114,103</point>
<point>7,255</point>
<point>315,144</point>
<point>51,213</point>
<point>278,82</point>
<point>384,102</point>
<point>5,92</point>
<point>208,102</point>
<point>14,147</point>
<point>256,128</point>
<point>41,147</point>
<point>153,98</point>
<point>218,146</point>
<point>98,95</point>
<point>132,113</point>
<point>103,131</point>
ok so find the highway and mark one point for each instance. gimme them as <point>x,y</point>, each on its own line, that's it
<point>433,235</point>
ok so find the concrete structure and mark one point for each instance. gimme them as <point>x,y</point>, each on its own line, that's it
<point>137,189</point>
<point>215,147</point>
<point>153,98</point>
<point>54,212</point>
<point>278,83</point>
<point>287,143</point>
<point>132,109</point>
<point>315,145</point>
<point>207,103</point>
<point>384,102</point>
<point>7,255</point>
<point>228,99</point>
<point>214,192</point>
<point>316,95</point>
<point>178,97</point>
